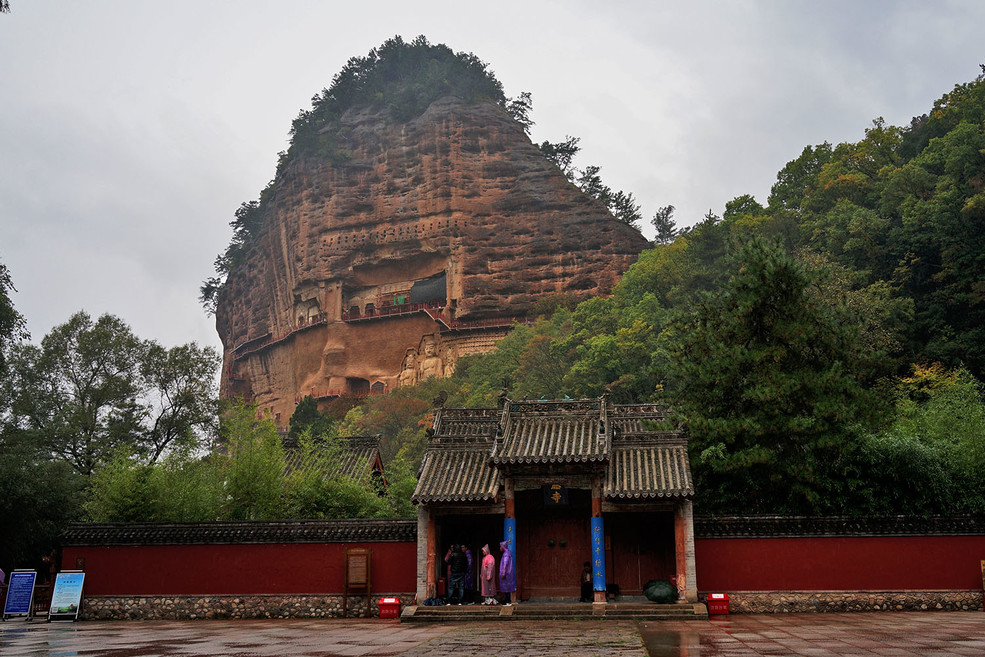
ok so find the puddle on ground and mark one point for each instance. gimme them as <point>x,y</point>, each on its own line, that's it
<point>668,643</point>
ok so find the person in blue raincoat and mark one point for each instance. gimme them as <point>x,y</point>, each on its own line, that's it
<point>507,573</point>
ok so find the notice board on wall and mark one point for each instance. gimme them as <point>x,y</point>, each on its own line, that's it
<point>66,597</point>
<point>357,576</point>
<point>20,594</point>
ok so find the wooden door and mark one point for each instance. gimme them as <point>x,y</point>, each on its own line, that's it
<point>554,544</point>
<point>641,548</point>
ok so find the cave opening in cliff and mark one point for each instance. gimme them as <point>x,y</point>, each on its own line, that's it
<point>357,387</point>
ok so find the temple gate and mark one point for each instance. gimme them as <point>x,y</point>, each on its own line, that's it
<point>568,482</point>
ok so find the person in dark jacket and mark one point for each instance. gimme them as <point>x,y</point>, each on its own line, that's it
<point>458,565</point>
<point>587,595</point>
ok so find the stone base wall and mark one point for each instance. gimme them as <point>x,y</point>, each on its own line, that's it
<point>181,607</point>
<point>782,602</point>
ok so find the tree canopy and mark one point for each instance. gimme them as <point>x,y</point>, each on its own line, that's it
<point>93,388</point>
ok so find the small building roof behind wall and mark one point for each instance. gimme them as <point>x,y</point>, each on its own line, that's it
<point>359,457</point>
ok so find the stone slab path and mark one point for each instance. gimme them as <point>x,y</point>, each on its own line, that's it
<point>932,634</point>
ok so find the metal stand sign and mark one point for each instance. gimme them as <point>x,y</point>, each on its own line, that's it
<point>20,594</point>
<point>66,597</point>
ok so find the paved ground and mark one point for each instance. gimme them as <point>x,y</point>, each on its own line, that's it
<point>821,635</point>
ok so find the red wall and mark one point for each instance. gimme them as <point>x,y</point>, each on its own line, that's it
<point>734,564</point>
<point>297,568</point>
<point>892,563</point>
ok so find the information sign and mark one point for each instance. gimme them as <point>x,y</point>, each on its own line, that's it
<point>20,593</point>
<point>66,597</point>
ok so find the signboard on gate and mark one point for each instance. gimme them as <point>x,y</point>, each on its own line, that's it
<point>20,593</point>
<point>66,597</point>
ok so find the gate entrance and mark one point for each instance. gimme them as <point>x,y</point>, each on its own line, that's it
<point>553,544</point>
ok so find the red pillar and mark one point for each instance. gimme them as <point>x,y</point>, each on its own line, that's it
<point>432,551</point>
<point>680,553</point>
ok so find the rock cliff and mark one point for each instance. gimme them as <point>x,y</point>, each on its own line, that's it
<point>402,246</point>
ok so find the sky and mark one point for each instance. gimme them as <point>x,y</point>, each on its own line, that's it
<point>130,132</point>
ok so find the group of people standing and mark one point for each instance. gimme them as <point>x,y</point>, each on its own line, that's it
<point>461,574</point>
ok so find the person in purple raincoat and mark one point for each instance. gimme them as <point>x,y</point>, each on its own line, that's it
<point>469,574</point>
<point>507,574</point>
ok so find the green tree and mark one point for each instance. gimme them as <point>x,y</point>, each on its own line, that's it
<point>254,466</point>
<point>315,488</point>
<point>38,498</point>
<point>180,397</point>
<point>666,227</point>
<point>519,108</point>
<point>307,417</point>
<point>78,392</point>
<point>562,154</point>
<point>181,487</point>
<point>931,458</point>
<point>93,388</point>
<point>12,325</point>
<point>621,205</point>
<point>765,378</point>
<point>741,206</point>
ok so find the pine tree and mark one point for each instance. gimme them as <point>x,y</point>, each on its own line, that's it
<point>764,375</point>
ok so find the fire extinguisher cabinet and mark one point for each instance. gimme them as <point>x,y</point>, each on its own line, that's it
<point>718,604</point>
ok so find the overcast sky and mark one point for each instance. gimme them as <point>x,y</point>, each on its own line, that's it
<point>131,131</point>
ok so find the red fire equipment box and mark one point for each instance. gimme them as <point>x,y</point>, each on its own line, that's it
<point>389,607</point>
<point>718,603</point>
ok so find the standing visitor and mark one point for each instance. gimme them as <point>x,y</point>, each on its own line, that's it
<point>487,577</point>
<point>507,574</point>
<point>457,566</point>
<point>469,574</point>
<point>586,583</point>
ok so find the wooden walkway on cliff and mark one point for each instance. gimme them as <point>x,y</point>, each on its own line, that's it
<point>259,343</point>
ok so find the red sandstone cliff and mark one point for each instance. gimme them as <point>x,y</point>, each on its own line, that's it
<point>409,245</point>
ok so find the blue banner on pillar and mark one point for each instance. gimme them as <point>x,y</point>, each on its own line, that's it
<point>509,534</point>
<point>598,555</point>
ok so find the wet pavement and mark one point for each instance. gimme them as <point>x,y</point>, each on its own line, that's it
<point>809,635</point>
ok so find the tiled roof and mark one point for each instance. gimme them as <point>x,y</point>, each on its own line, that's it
<point>461,426</point>
<point>811,526</point>
<point>648,470</point>
<point>356,459</point>
<point>456,467</point>
<point>643,457</point>
<point>649,458</point>
<point>359,457</point>
<point>356,530</point>
<point>553,432</point>
<point>456,475</point>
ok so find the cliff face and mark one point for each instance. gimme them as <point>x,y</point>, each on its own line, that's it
<point>402,247</point>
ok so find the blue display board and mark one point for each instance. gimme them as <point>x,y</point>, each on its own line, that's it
<point>20,593</point>
<point>66,597</point>
<point>598,555</point>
